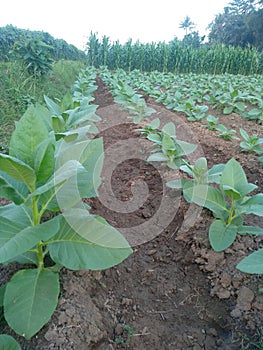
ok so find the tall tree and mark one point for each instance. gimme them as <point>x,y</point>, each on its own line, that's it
<point>187,24</point>
<point>239,25</point>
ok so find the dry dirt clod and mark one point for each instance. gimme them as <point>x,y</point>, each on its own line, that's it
<point>245,298</point>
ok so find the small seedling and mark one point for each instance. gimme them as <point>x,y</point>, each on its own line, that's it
<point>211,122</point>
<point>125,338</point>
<point>226,133</point>
<point>199,174</point>
<point>251,143</point>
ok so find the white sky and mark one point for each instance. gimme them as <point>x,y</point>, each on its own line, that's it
<point>145,20</point>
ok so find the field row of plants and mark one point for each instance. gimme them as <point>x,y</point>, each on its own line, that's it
<point>229,197</point>
<point>200,98</point>
<point>51,166</point>
<point>175,56</point>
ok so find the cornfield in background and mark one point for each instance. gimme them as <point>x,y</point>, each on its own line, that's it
<point>175,57</point>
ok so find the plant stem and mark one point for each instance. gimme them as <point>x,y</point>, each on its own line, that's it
<point>231,213</point>
<point>36,221</point>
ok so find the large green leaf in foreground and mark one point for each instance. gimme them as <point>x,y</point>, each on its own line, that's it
<point>30,299</point>
<point>93,245</point>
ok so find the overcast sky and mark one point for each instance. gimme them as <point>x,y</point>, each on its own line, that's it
<point>145,20</point>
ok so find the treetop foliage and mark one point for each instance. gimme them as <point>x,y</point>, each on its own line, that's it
<point>240,24</point>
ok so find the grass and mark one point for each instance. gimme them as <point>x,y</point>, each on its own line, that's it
<point>18,89</point>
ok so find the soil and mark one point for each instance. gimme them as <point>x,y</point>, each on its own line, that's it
<point>174,291</point>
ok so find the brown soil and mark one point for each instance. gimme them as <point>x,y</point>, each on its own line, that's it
<point>173,292</point>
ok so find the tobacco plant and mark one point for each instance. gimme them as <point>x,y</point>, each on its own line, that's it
<point>228,203</point>
<point>168,149</point>
<point>198,174</point>
<point>225,133</point>
<point>47,226</point>
<point>251,143</point>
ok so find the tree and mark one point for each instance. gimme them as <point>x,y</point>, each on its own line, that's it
<point>187,24</point>
<point>193,39</point>
<point>239,25</point>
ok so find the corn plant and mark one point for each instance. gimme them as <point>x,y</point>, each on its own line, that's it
<point>228,203</point>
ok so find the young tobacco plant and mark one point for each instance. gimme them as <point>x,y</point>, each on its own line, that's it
<point>228,203</point>
<point>251,143</point>
<point>132,102</point>
<point>199,174</point>
<point>225,133</point>
<point>211,122</point>
<point>45,180</point>
<point>169,149</point>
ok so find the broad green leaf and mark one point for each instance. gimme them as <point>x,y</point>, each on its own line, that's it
<point>234,176</point>
<point>45,115</point>
<point>16,239</point>
<point>253,263</point>
<point>52,106</point>
<point>185,147</point>
<point>16,213</point>
<point>200,165</point>
<point>157,157</point>
<point>155,123</point>
<point>11,189</point>
<point>25,258</point>
<point>244,134</point>
<point>169,129</point>
<point>215,172</point>
<point>8,343</point>
<point>18,170</point>
<point>82,114</point>
<point>253,205</point>
<point>62,174</point>
<point>44,159</point>
<point>29,133</point>
<point>90,154</point>
<point>58,124</point>
<point>105,247</point>
<point>31,298</point>
<point>240,106</point>
<point>178,183</point>
<point>231,192</point>
<point>228,110</point>
<point>168,143</point>
<point>156,138</point>
<point>250,230</point>
<point>67,102</point>
<point>208,197</point>
<point>221,236</point>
